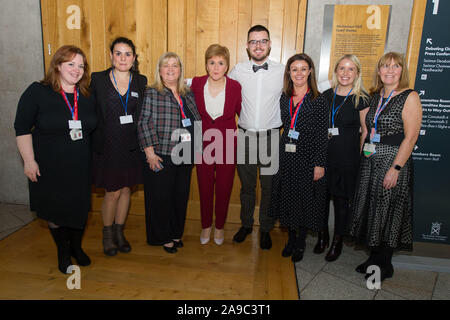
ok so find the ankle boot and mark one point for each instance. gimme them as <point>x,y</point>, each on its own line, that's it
<point>61,238</point>
<point>109,247</point>
<point>290,245</point>
<point>76,251</point>
<point>362,268</point>
<point>300,243</point>
<point>335,249</point>
<point>322,242</point>
<point>119,238</point>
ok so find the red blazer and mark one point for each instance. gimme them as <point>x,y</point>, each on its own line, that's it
<point>232,106</point>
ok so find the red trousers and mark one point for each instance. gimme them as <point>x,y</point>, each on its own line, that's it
<point>215,179</point>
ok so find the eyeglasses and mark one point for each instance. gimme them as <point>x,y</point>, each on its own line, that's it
<point>262,42</point>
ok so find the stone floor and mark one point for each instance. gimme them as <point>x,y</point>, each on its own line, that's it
<point>317,278</point>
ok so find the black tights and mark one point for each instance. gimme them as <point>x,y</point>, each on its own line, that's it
<point>341,214</point>
<point>297,238</point>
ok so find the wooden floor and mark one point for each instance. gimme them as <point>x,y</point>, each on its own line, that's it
<point>28,268</point>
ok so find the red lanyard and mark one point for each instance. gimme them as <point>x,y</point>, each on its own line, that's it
<point>73,110</point>
<point>183,115</point>
<point>291,103</point>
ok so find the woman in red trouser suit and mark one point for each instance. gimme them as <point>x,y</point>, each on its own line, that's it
<point>218,100</point>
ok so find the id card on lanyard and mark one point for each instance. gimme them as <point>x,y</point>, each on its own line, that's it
<point>186,122</point>
<point>126,118</point>
<point>369,148</point>
<point>292,133</point>
<point>74,124</point>
<point>333,131</point>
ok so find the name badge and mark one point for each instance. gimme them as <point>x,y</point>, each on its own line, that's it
<point>369,149</point>
<point>74,124</point>
<point>293,134</point>
<point>333,131</point>
<point>134,94</point>
<point>126,119</point>
<point>186,122</point>
<point>375,138</point>
<point>76,134</point>
<point>290,147</point>
<point>185,137</point>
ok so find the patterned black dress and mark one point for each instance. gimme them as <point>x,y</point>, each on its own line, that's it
<point>383,217</point>
<point>296,200</point>
<point>118,166</point>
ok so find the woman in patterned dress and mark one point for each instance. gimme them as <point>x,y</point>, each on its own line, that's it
<point>118,161</point>
<point>383,205</point>
<point>298,197</point>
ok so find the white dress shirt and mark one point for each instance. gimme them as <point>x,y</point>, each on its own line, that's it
<point>261,92</point>
<point>214,105</point>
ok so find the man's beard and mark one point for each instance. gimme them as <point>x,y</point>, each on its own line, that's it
<point>256,59</point>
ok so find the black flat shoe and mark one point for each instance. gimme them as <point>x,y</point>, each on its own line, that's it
<point>297,255</point>
<point>265,242</point>
<point>335,250</point>
<point>385,272</point>
<point>287,251</point>
<point>242,234</point>
<point>178,244</point>
<point>170,249</point>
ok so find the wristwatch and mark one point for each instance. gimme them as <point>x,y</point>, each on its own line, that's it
<point>397,167</point>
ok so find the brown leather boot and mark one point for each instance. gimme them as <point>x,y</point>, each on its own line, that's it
<point>322,242</point>
<point>109,247</point>
<point>119,238</point>
<point>335,249</point>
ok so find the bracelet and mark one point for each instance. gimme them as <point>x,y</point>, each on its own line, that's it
<point>397,167</point>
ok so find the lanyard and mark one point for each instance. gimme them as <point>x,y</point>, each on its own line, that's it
<point>297,111</point>
<point>180,102</point>
<point>381,107</point>
<point>334,111</point>
<point>125,105</point>
<point>73,110</point>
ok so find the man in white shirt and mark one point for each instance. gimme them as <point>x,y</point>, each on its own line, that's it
<point>262,83</point>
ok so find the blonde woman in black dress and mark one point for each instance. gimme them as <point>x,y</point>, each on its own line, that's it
<point>382,214</point>
<point>347,100</point>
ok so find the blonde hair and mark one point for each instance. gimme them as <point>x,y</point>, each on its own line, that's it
<point>388,57</point>
<point>216,50</point>
<point>358,86</point>
<point>159,85</point>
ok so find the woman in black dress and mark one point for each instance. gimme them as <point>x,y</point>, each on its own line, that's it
<point>382,213</point>
<point>299,188</point>
<point>346,100</point>
<point>54,121</point>
<point>118,161</point>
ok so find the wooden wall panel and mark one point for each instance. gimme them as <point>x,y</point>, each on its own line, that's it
<point>186,27</point>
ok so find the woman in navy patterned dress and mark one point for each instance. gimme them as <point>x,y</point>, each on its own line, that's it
<point>299,188</point>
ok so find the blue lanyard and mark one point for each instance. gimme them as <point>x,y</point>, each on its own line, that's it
<point>334,111</point>
<point>125,106</point>
<point>381,107</point>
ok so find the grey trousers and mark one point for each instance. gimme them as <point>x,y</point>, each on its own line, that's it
<point>248,172</point>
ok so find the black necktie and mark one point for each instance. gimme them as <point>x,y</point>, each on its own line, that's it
<point>265,66</point>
